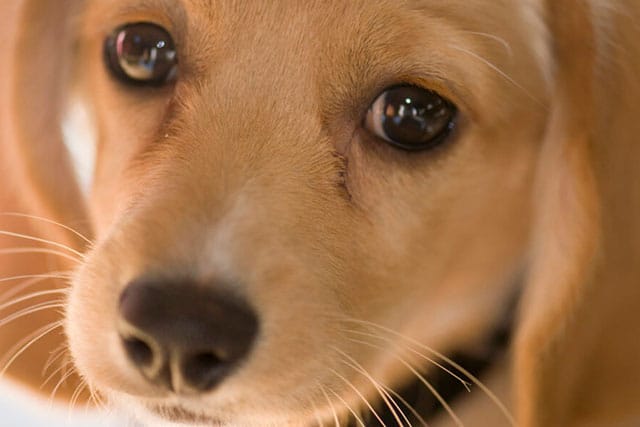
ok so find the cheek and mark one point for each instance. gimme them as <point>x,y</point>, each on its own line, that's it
<point>464,208</point>
<point>123,134</point>
<point>110,127</point>
<point>445,241</point>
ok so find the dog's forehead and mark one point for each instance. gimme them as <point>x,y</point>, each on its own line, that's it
<point>359,41</point>
<point>372,16</point>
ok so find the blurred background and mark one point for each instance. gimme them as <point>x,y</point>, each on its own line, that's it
<point>19,409</point>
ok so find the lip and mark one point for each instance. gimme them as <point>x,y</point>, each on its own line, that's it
<point>178,414</point>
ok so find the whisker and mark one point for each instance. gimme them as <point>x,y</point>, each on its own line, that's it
<point>355,389</point>
<point>464,383</point>
<point>40,240</point>
<point>53,358</point>
<point>497,70</point>
<point>59,384</point>
<point>351,362</point>
<point>23,345</point>
<point>31,310</point>
<point>31,296</point>
<point>37,250</point>
<point>75,396</point>
<point>333,408</point>
<point>423,380</point>
<point>49,221</point>
<point>63,366</point>
<point>349,408</point>
<point>17,289</point>
<point>316,415</point>
<point>95,398</point>
<point>500,40</point>
<point>407,405</point>
<point>501,406</point>
<point>55,275</point>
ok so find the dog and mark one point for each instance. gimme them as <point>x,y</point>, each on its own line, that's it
<point>284,213</point>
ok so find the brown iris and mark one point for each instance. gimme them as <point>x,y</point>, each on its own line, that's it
<point>141,54</point>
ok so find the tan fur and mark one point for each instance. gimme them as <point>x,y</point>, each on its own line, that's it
<point>255,167</point>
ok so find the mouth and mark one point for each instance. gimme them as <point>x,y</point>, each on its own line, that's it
<point>179,415</point>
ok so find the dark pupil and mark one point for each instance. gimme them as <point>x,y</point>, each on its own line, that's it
<point>414,117</point>
<point>145,53</point>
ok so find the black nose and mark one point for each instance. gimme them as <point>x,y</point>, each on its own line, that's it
<point>183,335</point>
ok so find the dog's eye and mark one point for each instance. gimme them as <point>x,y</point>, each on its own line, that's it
<point>142,54</point>
<point>411,118</point>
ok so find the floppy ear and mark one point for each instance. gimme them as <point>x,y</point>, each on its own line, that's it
<point>35,178</point>
<point>37,70</point>
<point>578,342</point>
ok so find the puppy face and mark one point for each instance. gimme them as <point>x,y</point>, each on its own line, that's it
<point>261,169</point>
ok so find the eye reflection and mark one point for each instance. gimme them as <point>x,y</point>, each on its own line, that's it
<point>142,54</point>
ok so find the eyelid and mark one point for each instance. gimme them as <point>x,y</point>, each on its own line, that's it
<point>153,12</point>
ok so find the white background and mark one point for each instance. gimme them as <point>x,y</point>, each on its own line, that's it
<point>19,409</point>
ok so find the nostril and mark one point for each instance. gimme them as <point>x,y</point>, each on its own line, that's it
<point>139,351</point>
<point>185,335</point>
<point>203,370</point>
<point>205,361</point>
